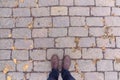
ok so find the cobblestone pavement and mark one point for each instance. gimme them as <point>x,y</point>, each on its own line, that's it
<point>31,31</point>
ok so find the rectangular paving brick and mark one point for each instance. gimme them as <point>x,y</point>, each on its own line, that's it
<point>60,21</point>
<point>23,22</point>
<point>21,12</point>
<point>4,33</point>
<point>79,11</point>
<point>65,42</point>
<point>105,42</point>
<point>118,42</point>
<point>111,75</point>
<point>6,43</point>
<point>21,66</point>
<point>38,54</point>
<point>20,54</point>
<point>42,66</point>
<point>48,3</point>
<point>73,54</point>
<point>66,2</point>
<point>21,33</point>
<point>27,3</point>
<point>84,2</point>
<point>57,32</point>
<point>115,11</point>
<point>59,11</point>
<point>2,76</point>
<point>105,65</point>
<point>7,22</point>
<point>39,33</point>
<point>43,22</point>
<point>96,31</point>
<point>8,3</point>
<point>116,66</point>
<point>38,12</point>
<point>43,42</point>
<point>77,21</point>
<point>94,21</point>
<point>51,52</point>
<point>100,11</point>
<point>87,42</point>
<point>86,65</point>
<point>16,75</point>
<point>78,31</point>
<point>105,3</point>
<point>23,44</point>
<point>112,21</point>
<point>92,53</point>
<point>94,75</point>
<point>5,54</point>
<point>5,12</point>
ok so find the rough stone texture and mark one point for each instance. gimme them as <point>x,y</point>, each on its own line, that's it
<point>31,31</point>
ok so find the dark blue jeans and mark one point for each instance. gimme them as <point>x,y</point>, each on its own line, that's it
<point>64,73</point>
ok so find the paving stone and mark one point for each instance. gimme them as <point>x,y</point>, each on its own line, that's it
<point>59,11</point>
<point>116,66</point>
<point>77,21</point>
<point>21,12</point>
<point>57,32</point>
<point>7,64</point>
<point>43,22</point>
<point>100,11</point>
<point>2,76</point>
<point>105,65</point>
<point>94,75</point>
<point>39,33</point>
<point>66,2</point>
<point>6,43</point>
<point>23,22</point>
<point>116,11</point>
<point>4,33</point>
<point>7,23</point>
<point>112,21</point>
<point>79,11</point>
<point>105,42</point>
<point>111,76</point>
<point>112,53</point>
<point>65,42</point>
<point>38,54</point>
<point>16,75</point>
<point>86,65</point>
<point>78,31</point>
<point>28,65</point>
<point>87,42</point>
<point>5,12</point>
<point>118,42</point>
<point>43,42</point>
<point>5,54</point>
<point>94,21</point>
<point>8,3</point>
<point>21,33</point>
<point>48,3</point>
<point>96,31</point>
<point>26,3</point>
<point>38,76</point>
<point>38,12</point>
<point>23,44</point>
<point>84,2</point>
<point>92,53</point>
<point>73,54</point>
<point>51,52</point>
<point>60,21</point>
<point>42,66</point>
<point>76,76</point>
<point>20,54</point>
<point>105,3</point>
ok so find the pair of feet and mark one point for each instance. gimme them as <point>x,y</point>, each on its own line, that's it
<point>65,64</point>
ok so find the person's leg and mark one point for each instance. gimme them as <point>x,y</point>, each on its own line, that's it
<point>54,64</point>
<point>65,67</point>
